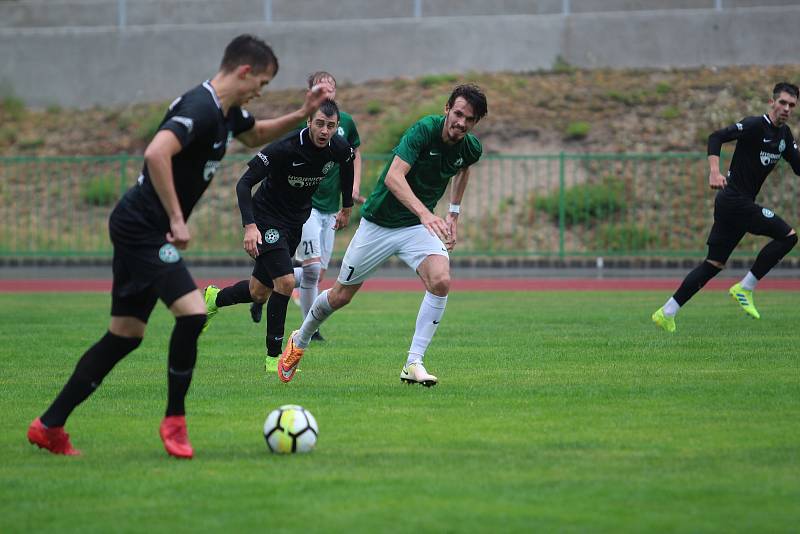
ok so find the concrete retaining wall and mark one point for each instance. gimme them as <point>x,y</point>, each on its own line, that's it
<point>107,65</point>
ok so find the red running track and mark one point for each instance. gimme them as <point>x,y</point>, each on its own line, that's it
<point>411,284</point>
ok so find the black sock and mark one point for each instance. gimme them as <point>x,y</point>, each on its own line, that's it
<point>182,357</point>
<point>90,371</point>
<point>771,254</point>
<point>276,321</point>
<point>694,281</point>
<point>238,293</point>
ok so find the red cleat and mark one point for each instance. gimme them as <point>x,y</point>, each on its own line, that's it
<point>173,434</point>
<point>53,439</point>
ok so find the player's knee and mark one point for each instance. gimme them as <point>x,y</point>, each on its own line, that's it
<point>285,284</point>
<point>259,294</point>
<point>439,284</point>
<point>790,240</point>
<point>718,264</point>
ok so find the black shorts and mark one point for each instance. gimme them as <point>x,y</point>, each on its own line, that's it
<point>275,252</point>
<point>736,215</point>
<point>145,273</point>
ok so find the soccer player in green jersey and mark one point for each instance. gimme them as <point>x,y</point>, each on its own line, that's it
<point>316,245</point>
<point>398,219</point>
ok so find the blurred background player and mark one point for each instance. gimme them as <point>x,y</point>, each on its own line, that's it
<point>290,170</point>
<point>760,143</point>
<point>148,228</point>
<point>398,219</point>
<point>316,244</point>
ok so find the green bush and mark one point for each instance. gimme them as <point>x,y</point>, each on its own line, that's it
<point>663,88</point>
<point>13,106</point>
<point>149,123</point>
<point>585,202</point>
<point>671,112</point>
<point>436,79</point>
<point>101,190</point>
<point>374,107</point>
<point>577,130</point>
<point>396,124</point>
<point>623,237</point>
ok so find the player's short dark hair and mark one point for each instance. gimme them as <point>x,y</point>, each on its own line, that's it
<point>316,77</point>
<point>474,97</point>
<point>329,108</point>
<point>248,49</point>
<point>785,87</point>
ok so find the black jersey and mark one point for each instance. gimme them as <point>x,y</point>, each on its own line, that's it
<point>759,146</point>
<point>290,170</point>
<point>197,120</point>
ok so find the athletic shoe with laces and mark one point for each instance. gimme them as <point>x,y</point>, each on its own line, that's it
<point>176,439</point>
<point>664,322</point>
<point>316,336</point>
<point>210,296</point>
<point>744,298</point>
<point>53,439</point>
<point>255,311</point>
<point>416,373</point>
<point>289,360</point>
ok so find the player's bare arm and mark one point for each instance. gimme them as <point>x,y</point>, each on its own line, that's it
<point>396,183</point>
<point>459,185</point>
<point>357,198</point>
<point>716,180</point>
<point>158,158</point>
<point>266,130</point>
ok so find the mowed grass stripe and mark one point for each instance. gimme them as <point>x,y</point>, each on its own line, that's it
<point>555,411</point>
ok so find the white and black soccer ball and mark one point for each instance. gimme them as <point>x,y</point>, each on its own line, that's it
<point>290,429</point>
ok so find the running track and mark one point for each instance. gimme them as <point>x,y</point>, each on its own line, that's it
<point>413,284</point>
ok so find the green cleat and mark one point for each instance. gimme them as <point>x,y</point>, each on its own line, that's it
<point>664,322</point>
<point>744,298</point>
<point>210,296</point>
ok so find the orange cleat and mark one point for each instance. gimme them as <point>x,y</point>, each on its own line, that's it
<point>53,439</point>
<point>176,440</point>
<point>289,360</point>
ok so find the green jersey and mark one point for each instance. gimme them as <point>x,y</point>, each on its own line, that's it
<point>328,195</point>
<point>433,163</point>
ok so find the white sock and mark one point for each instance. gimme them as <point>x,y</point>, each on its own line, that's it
<point>671,307</point>
<point>749,281</point>
<point>430,313</point>
<point>309,287</point>
<point>319,311</point>
<point>298,276</point>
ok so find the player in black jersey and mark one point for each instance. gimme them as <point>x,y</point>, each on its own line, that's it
<point>148,228</point>
<point>290,170</point>
<point>760,143</point>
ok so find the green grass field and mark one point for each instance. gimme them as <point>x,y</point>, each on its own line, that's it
<point>563,412</point>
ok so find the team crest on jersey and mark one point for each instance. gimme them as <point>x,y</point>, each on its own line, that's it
<point>271,236</point>
<point>459,162</point>
<point>168,253</point>
<point>340,131</point>
<point>327,167</point>
<point>782,146</point>
<point>768,213</point>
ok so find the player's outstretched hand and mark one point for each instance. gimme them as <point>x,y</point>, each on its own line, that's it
<point>436,226</point>
<point>316,96</point>
<point>252,238</point>
<point>179,234</point>
<point>716,180</point>
<point>342,218</point>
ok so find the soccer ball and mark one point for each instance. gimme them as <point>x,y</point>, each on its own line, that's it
<point>290,429</point>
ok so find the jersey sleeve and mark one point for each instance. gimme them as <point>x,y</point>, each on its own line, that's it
<point>242,120</point>
<point>739,130</point>
<point>791,153</point>
<point>413,142</point>
<point>352,137</point>
<point>474,151</point>
<point>258,169</point>
<point>344,155</point>
<point>188,120</point>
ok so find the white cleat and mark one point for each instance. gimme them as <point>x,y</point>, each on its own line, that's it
<point>415,373</point>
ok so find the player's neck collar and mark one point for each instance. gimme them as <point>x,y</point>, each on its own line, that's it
<point>210,89</point>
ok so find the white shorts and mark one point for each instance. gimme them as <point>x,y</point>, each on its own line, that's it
<point>317,239</point>
<point>372,245</point>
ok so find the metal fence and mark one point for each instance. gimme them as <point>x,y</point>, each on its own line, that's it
<point>556,205</point>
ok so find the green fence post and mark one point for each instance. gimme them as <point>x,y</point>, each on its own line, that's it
<point>561,202</point>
